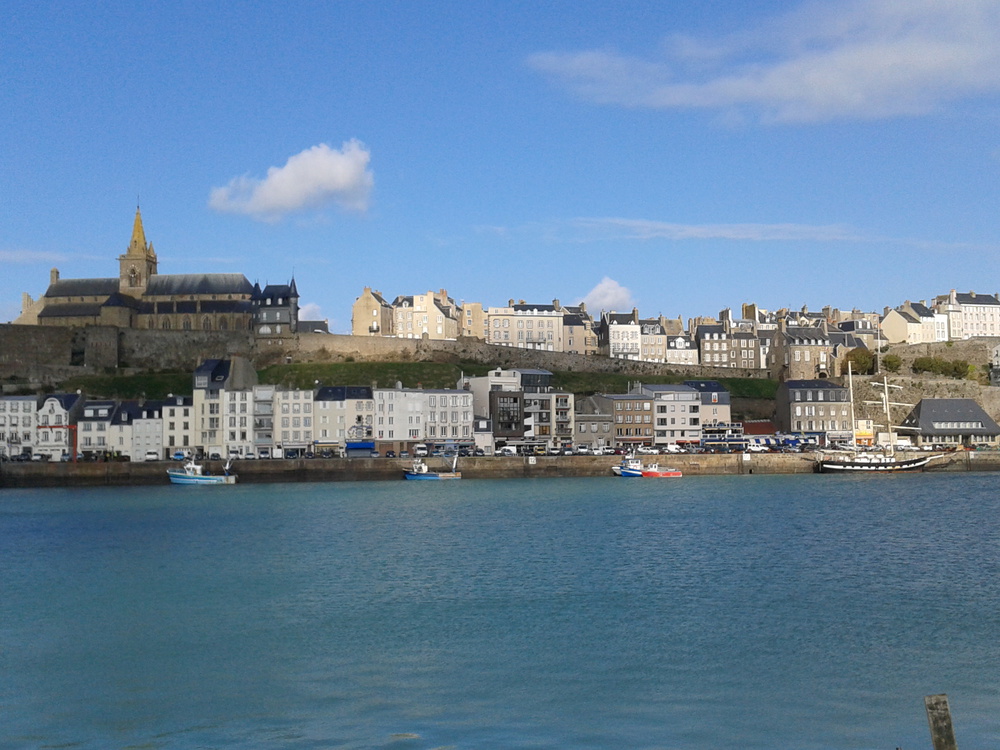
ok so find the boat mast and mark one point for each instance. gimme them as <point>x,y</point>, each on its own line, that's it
<point>850,391</point>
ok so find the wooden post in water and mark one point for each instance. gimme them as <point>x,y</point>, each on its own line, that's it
<point>939,719</point>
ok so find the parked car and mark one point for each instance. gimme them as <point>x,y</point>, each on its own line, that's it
<point>214,457</point>
<point>390,454</point>
<point>507,450</point>
<point>150,456</point>
<point>583,450</point>
<point>478,452</point>
<point>265,453</point>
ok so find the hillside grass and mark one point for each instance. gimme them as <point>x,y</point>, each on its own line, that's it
<point>385,375</point>
<point>154,385</point>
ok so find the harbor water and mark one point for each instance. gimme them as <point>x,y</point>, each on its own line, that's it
<point>741,612</point>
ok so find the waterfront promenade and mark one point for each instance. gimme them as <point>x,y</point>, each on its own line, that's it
<point>492,467</point>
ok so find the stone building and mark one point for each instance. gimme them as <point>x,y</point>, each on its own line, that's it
<point>141,297</point>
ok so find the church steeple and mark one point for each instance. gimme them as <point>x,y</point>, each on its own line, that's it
<point>138,246</point>
<point>138,263</point>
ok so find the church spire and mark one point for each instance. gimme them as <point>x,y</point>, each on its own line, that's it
<point>138,263</point>
<point>138,244</point>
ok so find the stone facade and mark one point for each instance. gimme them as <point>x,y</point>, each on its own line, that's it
<point>142,298</point>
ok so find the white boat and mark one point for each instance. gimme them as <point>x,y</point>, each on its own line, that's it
<point>420,470</point>
<point>853,460</point>
<point>193,473</point>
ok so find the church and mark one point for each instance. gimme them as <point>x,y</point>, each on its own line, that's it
<point>142,298</point>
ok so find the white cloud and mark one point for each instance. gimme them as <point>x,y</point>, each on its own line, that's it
<point>310,311</point>
<point>644,229</point>
<point>27,257</point>
<point>314,178</point>
<point>855,59</point>
<point>609,295</point>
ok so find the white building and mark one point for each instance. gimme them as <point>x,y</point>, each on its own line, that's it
<point>18,415</point>
<point>293,418</point>
<point>969,315</point>
<point>434,416</point>
<point>177,415</point>
<point>341,414</point>
<point>56,431</point>
<point>676,413</point>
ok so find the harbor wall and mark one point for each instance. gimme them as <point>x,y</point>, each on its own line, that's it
<point>84,474</point>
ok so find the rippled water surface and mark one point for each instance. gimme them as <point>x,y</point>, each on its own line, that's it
<point>707,612</point>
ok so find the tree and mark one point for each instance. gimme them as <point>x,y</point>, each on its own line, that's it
<point>892,362</point>
<point>862,361</point>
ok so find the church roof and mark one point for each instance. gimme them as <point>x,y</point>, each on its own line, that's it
<point>163,285</point>
<point>72,310</point>
<point>82,288</point>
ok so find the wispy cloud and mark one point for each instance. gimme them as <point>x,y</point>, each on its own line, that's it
<point>644,229</point>
<point>28,257</point>
<point>317,177</point>
<point>609,295</point>
<point>856,59</point>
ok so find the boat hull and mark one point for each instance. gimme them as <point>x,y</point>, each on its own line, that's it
<point>847,465</point>
<point>179,477</point>
<point>433,475</point>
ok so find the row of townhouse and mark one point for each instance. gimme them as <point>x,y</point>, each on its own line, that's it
<point>59,426</point>
<point>821,412</point>
<point>760,340</point>
<point>547,327</point>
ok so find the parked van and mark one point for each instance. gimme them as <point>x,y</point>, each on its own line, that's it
<point>420,450</point>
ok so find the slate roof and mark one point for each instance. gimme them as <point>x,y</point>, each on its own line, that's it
<point>706,386</point>
<point>846,339</point>
<point>921,310</point>
<point>799,385</point>
<point>198,283</point>
<point>619,318</point>
<point>217,370</point>
<point>275,291</point>
<point>802,334</point>
<point>82,288</point>
<point>539,308</point>
<point>343,393</point>
<point>66,400</point>
<point>976,299</point>
<point>950,411</point>
<point>72,310</point>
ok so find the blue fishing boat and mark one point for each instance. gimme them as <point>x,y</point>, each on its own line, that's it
<point>193,473</point>
<point>420,470</point>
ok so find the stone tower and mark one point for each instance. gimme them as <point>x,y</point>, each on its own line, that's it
<point>138,263</point>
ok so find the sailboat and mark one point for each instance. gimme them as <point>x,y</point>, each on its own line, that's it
<point>886,460</point>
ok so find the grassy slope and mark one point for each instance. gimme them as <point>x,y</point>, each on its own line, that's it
<point>385,375</point>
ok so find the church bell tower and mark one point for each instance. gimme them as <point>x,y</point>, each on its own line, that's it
<point>138,263</point>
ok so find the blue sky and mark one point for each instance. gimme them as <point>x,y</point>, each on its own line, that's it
<point>675,156</point>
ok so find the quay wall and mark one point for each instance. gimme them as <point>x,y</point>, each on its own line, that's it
<point>87,474</point>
